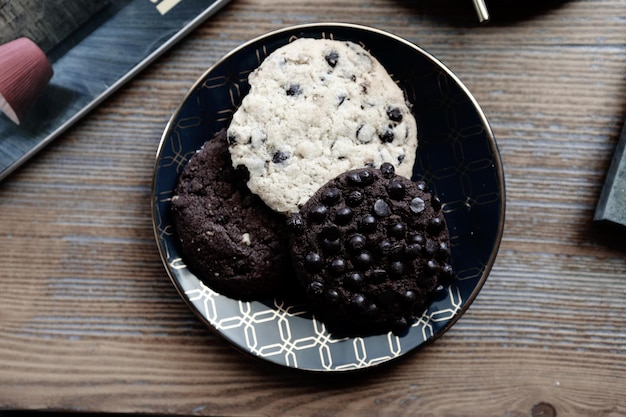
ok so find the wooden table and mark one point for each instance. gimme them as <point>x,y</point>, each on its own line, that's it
<point>90,321</point>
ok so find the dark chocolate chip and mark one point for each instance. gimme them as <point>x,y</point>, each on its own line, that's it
<point>315,288</point>
<point>353,178</point>
<point>396,190</point>
<point>388,170</point>
<point>354,281</point>
<point>384,246</point>
<point>435,225</point>
<point>412,251</point>
<point>367,177</point>
<point>331,196</point>
<point>368,223</point>
<point>417,205</point>
<point>397,230</point>
<point>317,214</point>
<point>378,275</point>
<point>332,296</point>
<point>381,208</point>
<point>279,156</point>
<point>295,223</point>
<point>331,57</point>
<point>357,242</point>
<point>313,262</point>
<point>409,297</point>
<point>294,90</point>
<point>338,266</point>
<point>396,268</point>
<point>431,267</point>
<point>394,114</point>
<point>430,247</point>
<point>442,251</point>
<point>232,139</point>
<point>417,238</point>
<point>354,198</point>
<point>387,135</point>
<point>436,203</point>
<point>363,259</point>
<point>358,301</point>
<point>343,215</point>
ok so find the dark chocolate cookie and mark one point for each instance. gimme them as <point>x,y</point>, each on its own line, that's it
<point>229,238</point>
<point>370,249</point>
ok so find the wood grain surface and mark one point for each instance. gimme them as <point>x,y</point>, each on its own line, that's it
<point>89,320</point>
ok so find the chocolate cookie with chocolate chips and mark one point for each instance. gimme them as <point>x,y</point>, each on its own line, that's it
<point>229,238</point>
<point>370,249</point>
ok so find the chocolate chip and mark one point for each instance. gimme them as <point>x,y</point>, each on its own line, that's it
<point>313,262</point>
<point>363,259</point>
<point>388,170</point>
<point>394,114</point>
<point>435,225</point>
<point>317,214</point>
<point>409,297</point>
<point>358,301</point>
<point>354,198</point>
<point>396,190</point>
<point>397,230</point>
<point>295,223</point>
<point>343,215</point>
<point>396,268</point>
<point>353,178</point>
<point>294,90</point>
<point>412,251</point>
<point>356,242</point>
<point>417,238</point>
<point>367,177</point>
<point>332,296</point>
<point>279,156</point>
<point>417,205</point>
<point>381,208</point>
<point>387,135</point>
<point>384,247</point>
<point>232,139</point>
<point>431,267</point>
<point>331,57</point>
<point>315,288</point>
<point>436,203</point>
<point>331,196</point>
<point>354,281</point>
<point>338,266</point>
<point>368,223</point>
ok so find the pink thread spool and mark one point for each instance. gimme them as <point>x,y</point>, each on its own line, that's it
<point>24,73</point>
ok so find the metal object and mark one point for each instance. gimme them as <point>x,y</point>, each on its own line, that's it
<point>481,10</point>
<point>611,206</point>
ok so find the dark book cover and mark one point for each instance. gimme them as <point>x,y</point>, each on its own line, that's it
<point>94,47</point>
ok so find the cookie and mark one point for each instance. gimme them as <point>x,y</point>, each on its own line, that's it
<point>371,249</point>
<point>229,238</point>
<point>317,108</point>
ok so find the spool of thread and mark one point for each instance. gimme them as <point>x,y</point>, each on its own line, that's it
<point>24,73</point>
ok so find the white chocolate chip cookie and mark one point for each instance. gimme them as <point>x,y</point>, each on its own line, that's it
<point>317,108</point>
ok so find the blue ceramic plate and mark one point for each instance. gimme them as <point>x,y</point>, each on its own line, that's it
<point>457,157</point>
